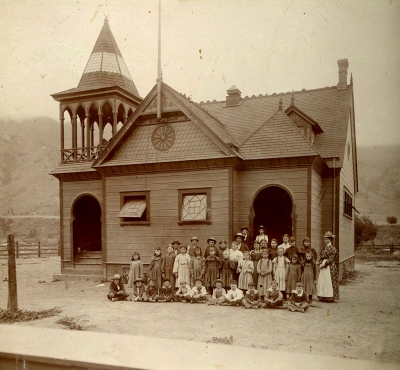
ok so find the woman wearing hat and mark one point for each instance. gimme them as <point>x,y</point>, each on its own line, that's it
<point>328,280</point>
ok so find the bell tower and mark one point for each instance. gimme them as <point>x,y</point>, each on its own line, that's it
<point>106,95</point>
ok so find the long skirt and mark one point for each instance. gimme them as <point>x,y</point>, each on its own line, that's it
<point>324,286</point>
<point>183,274</point>
<point>244,279</point>
<point>280,277</point>
<point>264,282</point>
<point>308,279</point>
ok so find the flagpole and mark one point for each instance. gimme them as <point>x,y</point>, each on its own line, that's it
<point>159,73</point>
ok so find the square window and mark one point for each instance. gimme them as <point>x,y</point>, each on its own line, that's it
<point>134,208</point>
<point>194,205</point>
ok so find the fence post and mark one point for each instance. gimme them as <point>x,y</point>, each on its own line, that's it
<point>12,275</point>
<point>59,247</point>
<point>38,249</point>
<point>17,248</point>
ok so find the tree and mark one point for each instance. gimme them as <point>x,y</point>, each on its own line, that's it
<point>364,229</point>
<point>392,220</point>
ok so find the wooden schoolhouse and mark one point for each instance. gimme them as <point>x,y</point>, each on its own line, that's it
<point>171,168</point>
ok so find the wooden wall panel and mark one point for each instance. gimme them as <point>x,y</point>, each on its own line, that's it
<point>164,227</point>
<point>346,225</point>
<point>248,183</point>
<point>316,210</point>
<point>71,191</point>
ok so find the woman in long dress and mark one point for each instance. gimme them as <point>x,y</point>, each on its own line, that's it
<point>328,280</point>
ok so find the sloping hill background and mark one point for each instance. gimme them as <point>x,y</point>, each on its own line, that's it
<point>29,150</point>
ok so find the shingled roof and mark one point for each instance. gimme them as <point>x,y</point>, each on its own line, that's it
<point>106,66</point>
<point>277,138</point>
<point>328,106</point>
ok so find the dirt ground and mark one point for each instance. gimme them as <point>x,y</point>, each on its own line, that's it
<point>364,324</point>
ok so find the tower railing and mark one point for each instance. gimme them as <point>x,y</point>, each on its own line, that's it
<point>86,154</point>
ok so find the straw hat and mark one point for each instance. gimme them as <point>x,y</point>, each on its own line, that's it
<point>329,235</point>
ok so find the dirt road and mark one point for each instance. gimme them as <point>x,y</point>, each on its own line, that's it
<point>364,324</point>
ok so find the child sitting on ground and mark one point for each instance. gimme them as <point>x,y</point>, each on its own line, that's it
<point>150,292</point>
<point>117,291</point>
<point>166,292</point>
<point>198,293</point>
<point>251,298</point>
<point>183,293</point>
<point>138,291</point>
<point>273,297</point>
<point>218,296</point>
<point>234,296</point>
<point>298,300</point>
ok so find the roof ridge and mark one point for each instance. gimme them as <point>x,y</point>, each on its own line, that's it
<point>259,96</point>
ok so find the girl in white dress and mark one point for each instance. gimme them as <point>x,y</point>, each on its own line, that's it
<point>182,267</point>
<point>280,267</point>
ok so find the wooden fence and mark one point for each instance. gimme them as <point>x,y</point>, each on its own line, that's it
<point>23,250</point>
<point>382,247</point>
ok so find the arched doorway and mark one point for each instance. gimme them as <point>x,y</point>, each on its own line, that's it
<point>86,225</point>
<point>273,209</point>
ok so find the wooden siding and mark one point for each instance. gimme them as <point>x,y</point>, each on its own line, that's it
<point>70,192</point>
<point>317,198</point>
<point>326,205</point>
<point>122,241</point>
<point>248,183</point>
<point>346,225</point>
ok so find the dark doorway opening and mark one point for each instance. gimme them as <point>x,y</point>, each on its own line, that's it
<point>86,225</point>
<point>273,209</point>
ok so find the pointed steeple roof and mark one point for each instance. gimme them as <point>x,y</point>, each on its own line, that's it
<point>106,66</point>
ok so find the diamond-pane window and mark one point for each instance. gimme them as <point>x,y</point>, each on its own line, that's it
<point>133,208</point>
<point>194,207</point>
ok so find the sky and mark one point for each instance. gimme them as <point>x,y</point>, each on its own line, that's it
<point>261,46</point>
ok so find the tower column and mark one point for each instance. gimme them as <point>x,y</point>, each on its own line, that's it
<point>74,135</point>
<point>62,132</point>
<point>100,128</point>
<point>82,131</point>
<point>114,124</point>
<point>92,136</point>
<point>88,124</point>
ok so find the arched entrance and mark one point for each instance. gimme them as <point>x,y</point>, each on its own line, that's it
<point>273,208</point>
<point>86,225</point>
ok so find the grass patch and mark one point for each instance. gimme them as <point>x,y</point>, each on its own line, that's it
<point>8,317</point>
<point>349,277</point>
<point>76,323</point>
<point>224,340</point>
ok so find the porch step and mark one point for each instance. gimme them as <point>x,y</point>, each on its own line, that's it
<point>89,260</point>
<point>69,277</point>
<point>88,266</point>
<point>97,254</point>
<point>83,271</point>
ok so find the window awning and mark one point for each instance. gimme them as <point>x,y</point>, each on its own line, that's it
<point>133,208</point>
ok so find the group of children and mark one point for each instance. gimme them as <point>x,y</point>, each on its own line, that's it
<point>262,277</point>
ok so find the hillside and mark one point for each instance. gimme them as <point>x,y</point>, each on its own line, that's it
<point>379,182</point>
<point>29,150</point>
